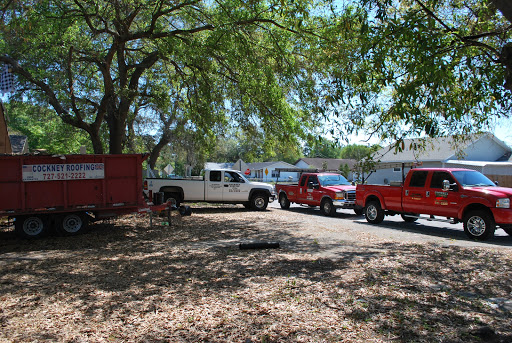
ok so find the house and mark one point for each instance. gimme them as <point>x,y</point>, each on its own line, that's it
<point>266,171</point>
<point>482,152</point>
<point>327,164</point>
<point>261,171</point>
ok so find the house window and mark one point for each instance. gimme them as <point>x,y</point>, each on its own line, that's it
<point>397,169</point>
<point>275,173</point>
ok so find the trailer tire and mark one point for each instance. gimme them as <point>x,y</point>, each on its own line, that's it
<point>327,207</point>
<point>373,212</point>
<point>479,225</point>
<point>72,224</point>
<point>259,202</point>
<point>173,197</point>
<point>31,226</point>
<point>284,202</point>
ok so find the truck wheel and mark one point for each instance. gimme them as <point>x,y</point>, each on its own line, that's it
<point>408,219</point>
<point>259,202</point>
<point>72,224</point>
<point>284,202</point>
<point>479,225</point>
<point>173,197</point>
<point>327,207</point>
<point>374,213</point>
<point>31,226</point>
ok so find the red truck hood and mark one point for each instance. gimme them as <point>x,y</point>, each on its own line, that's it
<point>341,188</point>
<point>499,192</point>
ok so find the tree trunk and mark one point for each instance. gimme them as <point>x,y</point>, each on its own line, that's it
<point>153,156</point>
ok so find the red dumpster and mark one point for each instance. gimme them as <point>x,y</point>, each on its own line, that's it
<point>66,191</point>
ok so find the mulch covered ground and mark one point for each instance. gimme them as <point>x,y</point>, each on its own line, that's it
<point>125,282</point>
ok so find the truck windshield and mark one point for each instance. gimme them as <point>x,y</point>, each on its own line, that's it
<point>332,180</point>
<point>472,179</point>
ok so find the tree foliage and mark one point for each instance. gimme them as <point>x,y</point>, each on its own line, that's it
<point>100,64</point>
<point>435,68</point>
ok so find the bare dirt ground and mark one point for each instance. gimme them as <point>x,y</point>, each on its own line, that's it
<point>125,282</point>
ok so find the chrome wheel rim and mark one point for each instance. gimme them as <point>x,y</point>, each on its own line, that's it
<point>476,226</point>
<point>259,202</point>
<point>371,212</point>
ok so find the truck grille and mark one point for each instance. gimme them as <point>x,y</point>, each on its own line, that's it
<point>351,195</point>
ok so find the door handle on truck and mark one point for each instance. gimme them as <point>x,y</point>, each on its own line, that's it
<point>226,185</point>
<point>406,192</point>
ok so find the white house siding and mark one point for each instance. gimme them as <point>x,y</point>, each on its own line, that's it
<point>258,171</point>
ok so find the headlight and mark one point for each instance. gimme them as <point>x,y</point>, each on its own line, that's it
<point>503,203</point>
<point>340,195</point>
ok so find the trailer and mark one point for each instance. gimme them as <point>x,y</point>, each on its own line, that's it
<point>65,192</point>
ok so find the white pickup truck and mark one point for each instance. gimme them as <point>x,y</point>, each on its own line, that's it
<point>217,186</point>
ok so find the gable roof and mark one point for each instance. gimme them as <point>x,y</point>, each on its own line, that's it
<point>332,163</point>
<point>433,149</point>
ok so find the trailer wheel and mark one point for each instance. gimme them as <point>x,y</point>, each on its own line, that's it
<point>479,225</point>
<point>327,207</point>
<point>284,202</point>
<point>408,219</point>
<point>374,213</point>
<point>72,224</point>
<point>31,226</point>
<point>259,201</point>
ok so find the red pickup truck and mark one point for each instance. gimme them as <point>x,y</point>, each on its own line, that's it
<point>459,195</point>
<point>330,191</point>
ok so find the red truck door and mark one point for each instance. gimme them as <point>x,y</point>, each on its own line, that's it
<point>307,193</point>
<point>439,202</point>
<point>414,196</point>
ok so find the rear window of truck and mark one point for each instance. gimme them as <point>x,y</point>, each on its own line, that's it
<point>418,179</point>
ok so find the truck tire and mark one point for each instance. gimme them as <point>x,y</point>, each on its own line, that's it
<point>31,226</point>
<point>71,224</point>
<point>284,202</point>
<point>173,197</point>
<point>327,207</point>
<point>408,219</point>
<point>479,225</point>
<point>259,202</point>
<point>374,213</point>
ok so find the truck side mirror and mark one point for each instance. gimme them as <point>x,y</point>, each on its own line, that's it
<point>313,185</point>
<point>446,185</point>
<point>496,183</point>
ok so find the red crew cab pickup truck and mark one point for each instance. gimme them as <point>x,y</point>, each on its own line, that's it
<point>459,195</point>
<point>330,191</point>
